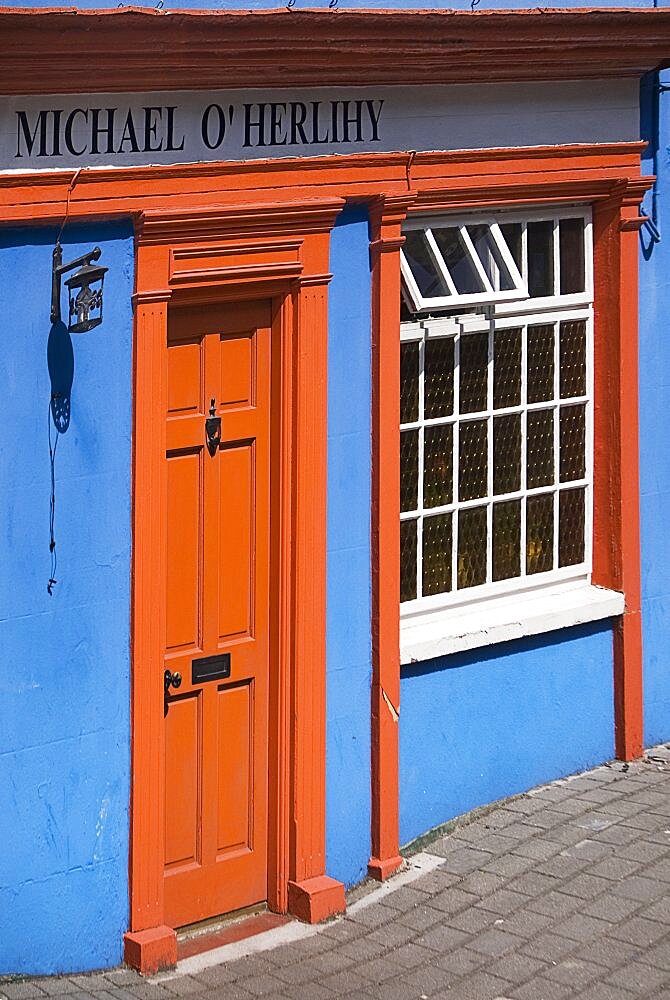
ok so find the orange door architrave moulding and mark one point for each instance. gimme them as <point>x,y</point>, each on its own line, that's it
<point>199,239</point>
<point>214,256</point>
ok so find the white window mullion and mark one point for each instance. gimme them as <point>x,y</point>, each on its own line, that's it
<point>589,491</point>
<point>457,425</point>
<point>557,423</point>
<point>489,459</point>
<point>419,539</point>
<point>524,424</point>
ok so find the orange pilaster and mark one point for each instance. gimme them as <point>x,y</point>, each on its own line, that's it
<point>386,217</point>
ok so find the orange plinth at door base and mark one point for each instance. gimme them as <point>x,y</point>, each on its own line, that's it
<point>315,899</point>
<point>381,870</point>
<point>151,950</point>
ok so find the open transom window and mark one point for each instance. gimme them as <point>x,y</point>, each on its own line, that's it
<point>496,423</point>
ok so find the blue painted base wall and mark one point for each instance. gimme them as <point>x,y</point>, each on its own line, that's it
<point>476,727</point>
<point>65,733</point>
<point>348,555</point>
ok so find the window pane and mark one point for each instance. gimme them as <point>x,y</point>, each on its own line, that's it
<point>571,242</point>
<point>458,261</point>
<point>506,539</point>
<point>473,376</point>
<point>507,368</point>
<point>423,267</point>
<point>573,358</point>
<point>507,453</point>
<point>512,234</point>
<point>471,547</point>
<point>407,560</point>
<point>539,533</point>
<point>436,567</point>
<point>439,377</point>
<point>438,446</point>
<point>409,470</point>
<point>540,363</point>
<point>491,259</point>
<point>472,460</point>
<point>571,527</point>
<point>540,448</point>
<point>540,237</point>
<point>409,383</point>
<point>573,442</point>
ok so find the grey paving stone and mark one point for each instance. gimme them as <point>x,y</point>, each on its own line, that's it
<point>393,935</point>
<point>526,923</point>
<point>494,942</point>
<point>261,986</point>
<point>436,880</point>
<point>509,865</point>
<point>305,991</point>
<point>658,911</point>
<point>604,991</point>
<point>504,901</point>
<point>479,986</point>
<point>556,904</point>
<point>452,900</point>
<point>588,850</point>
<point>442,939</point>
<point>640,888</point>
<point>619,835</point>
<point>533,883</point>
<point>579,927</point>
<point>362,950</point>
<point>474,920</point>
<point>54,986</point>
<point>379,970</point>
<point>465,860</point>
<point>405,898</point>
<point>643,851</point>
<point>482,883</point>
<point>638,978</point>
<point>94,981</point>
<point>585,886</point>
<point>412,954</point>
<point>371,916</point>
<point>420,918</point>
<point>428,979</point>
<point>550,947</point>
<point>539,849</point>
<point>20,990</point>
<point>606,951</point>
<point>639,931</point>
<point>540,988</point>
<point>461,961</point>
<point>614,868</point>
<point>183,986</point>
<point>611,907</point>
<point>575,972</point>
<point>516,967</point>
<point>352,980</point>
<point>562,866</point>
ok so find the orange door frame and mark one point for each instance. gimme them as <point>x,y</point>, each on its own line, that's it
<point>199,257</point>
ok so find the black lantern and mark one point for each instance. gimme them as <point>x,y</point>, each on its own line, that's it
<point>84,290</point>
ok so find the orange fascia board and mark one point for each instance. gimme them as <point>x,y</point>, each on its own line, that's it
<point>106,50</point>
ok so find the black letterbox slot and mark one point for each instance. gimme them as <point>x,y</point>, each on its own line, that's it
<point>210,668</point>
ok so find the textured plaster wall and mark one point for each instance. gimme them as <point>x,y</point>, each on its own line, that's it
<point>64,738</point>
<point>655,417</point>
<point>476,727</point>
<point>348,585</point>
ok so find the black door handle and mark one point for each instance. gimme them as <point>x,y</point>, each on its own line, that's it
<point>171,680</point>
<point>213,429</point>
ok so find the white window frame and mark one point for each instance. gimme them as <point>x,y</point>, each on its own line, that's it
<point>443,623</point>
<point>456,299</point>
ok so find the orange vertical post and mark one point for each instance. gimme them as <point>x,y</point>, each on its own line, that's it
<point>387,216</point>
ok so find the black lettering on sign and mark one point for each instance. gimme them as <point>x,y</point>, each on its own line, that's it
<point>277,129</point>
<point>27,137</point>
<point>213,114</point>
<point>169,138</point>
<point>374,118</point>
<point>258,125</point>
<point>97,129</point>
<point>69,124</point>
<point>298,116</point>
<point>151,124</point>
<point>129,135</point>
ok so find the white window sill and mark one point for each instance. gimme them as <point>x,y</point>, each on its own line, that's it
<point>512,616</point>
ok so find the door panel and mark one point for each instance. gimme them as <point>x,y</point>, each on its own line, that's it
<point>218,603</point>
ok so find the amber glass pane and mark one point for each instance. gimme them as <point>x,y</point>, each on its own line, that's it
<point>572,372</point>
<point>409,383</point>
<point>571,510</point>
<point>540,237</point>
<point>471,547</point>
<point>439,377</point>
<point>512,234</point>
<point>540,363</point>
<point>507,453</point>
<point>436,566</point>
<point>472,460</point>
<point>540,448</point>
<point>573,443</point>
<point>507,368</point>
<point>407,560</point>
<point>506,539</point>
<point>539,533</point>
<point>438,450</point>
<point>571,242</point>
<point>473,374</point>
<point>409,470</point>
<point>423,267</point>
<point>458,261</point>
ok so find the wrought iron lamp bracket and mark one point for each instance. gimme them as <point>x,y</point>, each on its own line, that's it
<point>59,269</point>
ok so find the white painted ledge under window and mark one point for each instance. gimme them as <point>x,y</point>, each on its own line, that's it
<point>499,619</point>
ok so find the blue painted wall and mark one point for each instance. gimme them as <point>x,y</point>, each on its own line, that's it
<point>655,416</point>
<point>476,727</point>
<point>348,582</point>
<point>65,736</point>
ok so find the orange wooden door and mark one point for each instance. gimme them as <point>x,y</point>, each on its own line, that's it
<point>216,736</point>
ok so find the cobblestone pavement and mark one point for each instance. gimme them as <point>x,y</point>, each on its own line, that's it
<point>563,892</point>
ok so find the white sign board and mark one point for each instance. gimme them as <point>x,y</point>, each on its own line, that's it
<point>38,133</point>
